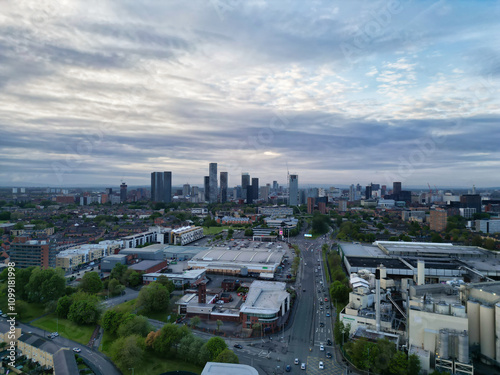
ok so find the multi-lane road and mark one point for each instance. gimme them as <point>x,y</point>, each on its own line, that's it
<point>311,324</point>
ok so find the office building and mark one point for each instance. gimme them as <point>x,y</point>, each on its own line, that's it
<point>368,192</point>
<point>223,187</point>
<point>293,190</point>
<point>206,186</point>
<point>396,188</point>
<point>310,205</point>
<point>161,187</point>
<point>123,192</point>
<point>26,253</point>
<point>213,187</point>
<point>275,185</point>
<point>186,190</point>
<point>255,188</point>
<point>245,183</point>
<point>471,201</point>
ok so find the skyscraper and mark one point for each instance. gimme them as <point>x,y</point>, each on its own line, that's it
<point>206,183</point>
<point>186,190</point>
<point>245,183</point>
<point>161,187</point>
<point>293,190</point>
<point>396,188</point>
<point>368,191</point>
<point>255,188</point>
<point>223,187</point>
<point>212,174</point>
<point>123,192</point>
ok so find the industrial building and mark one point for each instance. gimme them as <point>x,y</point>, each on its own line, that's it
<point>263,261</point>
<point>191,277</point>
<point>151,252</point>
<point>417,292</point>
<point>148,266</point>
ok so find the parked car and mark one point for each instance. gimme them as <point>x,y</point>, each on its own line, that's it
<point>288,368</point>
<point>296,361</point>
<point>77,350</point>
<point>321,365</point>
<point>303,366</point>
<point>238,346</point>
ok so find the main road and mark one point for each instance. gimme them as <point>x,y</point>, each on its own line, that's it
<point>311,324</point>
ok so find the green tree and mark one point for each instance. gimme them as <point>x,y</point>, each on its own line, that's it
<point>169,284</point>
<point>230,233</point>
<point>413,364</point>
<point>45,285</point>
<point>215,346</point>
<point>227,356</point>
<point>63,305</point>
<point>133,278</point>
<point>248,232</point>
<point>195,321</point>
<point>153,298</point>
<point>111,320</point>
<point>115,288</point>
<point>22,280</point>
<point>320,223</point>
<point>339,292</point>
<point>137,325</point>
<point>126,352</point>
<point>219,324</point>
<point>435,237</point>
<point>398,364</point>
<point>183,352</point>
<point>84,311</point>
<point>91,283</point>
<point>170,335</point>
<point>118,272</point>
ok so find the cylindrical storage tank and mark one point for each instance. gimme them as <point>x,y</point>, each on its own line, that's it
<point>442,308</point>
<point>420,272</point>
<point>383,272</point>
<point>458,310</point>
<point>463,347</point>
<point>473,315</point>
<point>428,305</point>
<point>497,321</point>
<point>498,347</point>
<point>443,343</point>
<point>244,271</point>
<point>487,330</point>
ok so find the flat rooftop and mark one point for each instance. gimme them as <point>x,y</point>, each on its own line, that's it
<point>238,256</point>
<point>375,262</point>
<point>357,249</point>
<point>144,265</point>
<point>430,249</point>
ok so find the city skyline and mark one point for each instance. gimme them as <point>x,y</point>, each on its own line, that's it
<point>338,93</point>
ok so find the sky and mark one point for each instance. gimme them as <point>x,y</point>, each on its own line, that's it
<point>98,92</point>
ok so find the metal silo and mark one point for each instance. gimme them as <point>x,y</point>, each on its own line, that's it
<point>473,315</point>
<point>458,310</point>
<point>463,347</point>
<point>442,308</point>
<point>443,343</point>
<point>487,330</point>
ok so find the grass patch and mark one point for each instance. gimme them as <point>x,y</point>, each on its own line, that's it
<point>126,307</point>
<point>66,328</point>
<point>33,310</point>
<point>214,230</point>
<point>151,362</point>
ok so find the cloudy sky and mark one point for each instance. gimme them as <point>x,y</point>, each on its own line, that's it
<point>341,92</point>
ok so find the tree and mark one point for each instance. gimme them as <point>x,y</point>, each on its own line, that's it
<point>227,356</point>
<point>63,305</point>
<point>118,272</point>
<point>398,364</point>
<point>153,297</point>
<point>137,325</point>
<point>248,232</point>
<point>320,223</point>
<point>91,283</point>
<point>184,347</point>
<point>219,324</point>
<point>126,351</point>
<point>340,292</point>
<point>169,336</point>
<point>22,279</point>
<point>195,321</point>
<point>215,346</point>
<point>84,311</point>
<point>169,284</point>
<point>115,288</point>
<point>111,320</point>
<point>45,285</point>
<point>413,364</point>
<point>230,233</point>
<point>134,278</point>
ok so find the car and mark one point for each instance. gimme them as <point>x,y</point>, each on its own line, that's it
<point>328,355</point>
<point>321,303</point>
<point>55,334</point>
<point>5,316</point>
<point>321,365</point>
<point>326,299</point>
<point>77,350</point>
<point>329,342</point>
<point>321,347</point>
<point>327,315</point>
<point>321,324</point>
<point>303,290</point>
<point>288,368</point>
<point>238,346</point>
<point>296,361</point>
<point>303,366</point>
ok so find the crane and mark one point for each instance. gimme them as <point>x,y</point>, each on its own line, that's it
<point>430,190</point>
